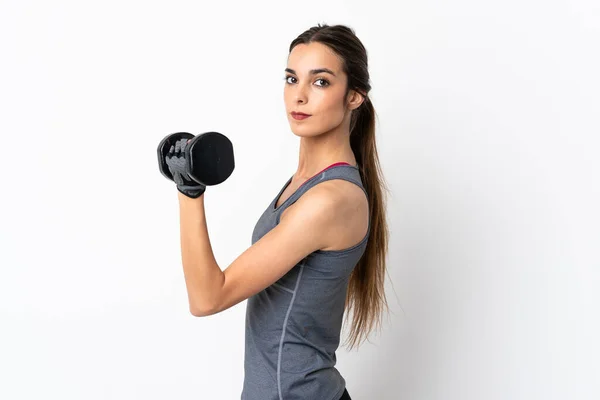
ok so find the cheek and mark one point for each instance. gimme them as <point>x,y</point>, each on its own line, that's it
<point>332,110</point>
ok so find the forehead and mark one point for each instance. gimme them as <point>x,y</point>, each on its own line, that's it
<point>305,57</point>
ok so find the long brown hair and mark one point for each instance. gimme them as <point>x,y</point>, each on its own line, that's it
<point>366,292</point>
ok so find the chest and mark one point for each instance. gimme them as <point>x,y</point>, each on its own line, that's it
<point>289,190</point>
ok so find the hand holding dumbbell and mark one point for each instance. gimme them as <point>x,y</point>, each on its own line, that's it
<point>177,164</point>
<point>194,162</point>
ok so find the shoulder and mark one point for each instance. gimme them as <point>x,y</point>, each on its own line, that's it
<point>328,206</point>
<point>343,192</point>
<point>317,207</point>
<point>339,196</point>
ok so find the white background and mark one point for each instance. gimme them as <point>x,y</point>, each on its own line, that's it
<point>488,124</point>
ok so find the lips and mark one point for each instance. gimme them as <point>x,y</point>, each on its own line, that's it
<point>299,115</point>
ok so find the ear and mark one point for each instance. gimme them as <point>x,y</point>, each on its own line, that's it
<point>355,99</point>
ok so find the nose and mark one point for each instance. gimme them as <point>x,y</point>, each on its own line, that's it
<point>300,97</point>
<point>300,94</point>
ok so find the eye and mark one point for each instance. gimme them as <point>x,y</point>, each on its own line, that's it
<point>324,84</point>
<point>324,80</point>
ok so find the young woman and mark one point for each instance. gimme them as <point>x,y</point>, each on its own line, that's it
<point>320,246</point>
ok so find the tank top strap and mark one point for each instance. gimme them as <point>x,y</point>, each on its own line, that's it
<point>343,171</point>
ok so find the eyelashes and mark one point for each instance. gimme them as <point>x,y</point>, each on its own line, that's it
<point>326,83</point>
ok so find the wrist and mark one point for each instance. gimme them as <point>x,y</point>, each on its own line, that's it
<point>193,194</point>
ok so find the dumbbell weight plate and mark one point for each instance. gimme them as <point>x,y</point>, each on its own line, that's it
<point>163,150</point>
<point>210,158</point>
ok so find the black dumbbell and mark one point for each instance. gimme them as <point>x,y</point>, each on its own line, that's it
<point>209,156</point>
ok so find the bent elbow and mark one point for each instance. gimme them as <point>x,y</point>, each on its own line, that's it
<point>202,311</point>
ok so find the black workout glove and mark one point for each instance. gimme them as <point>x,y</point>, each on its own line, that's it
<point>176,162</point>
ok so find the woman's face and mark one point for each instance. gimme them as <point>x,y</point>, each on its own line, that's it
<point>320,94</point>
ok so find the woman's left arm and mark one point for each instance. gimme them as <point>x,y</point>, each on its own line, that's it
<point>203,276</point>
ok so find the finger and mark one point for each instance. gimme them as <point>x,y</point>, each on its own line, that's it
<point>184,143</point>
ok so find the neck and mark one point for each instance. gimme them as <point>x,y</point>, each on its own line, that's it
<point>319,152</point>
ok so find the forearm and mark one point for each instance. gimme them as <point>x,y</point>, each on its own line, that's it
<point>203,277</point>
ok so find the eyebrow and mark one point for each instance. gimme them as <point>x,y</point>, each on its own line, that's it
<point>312,71</point>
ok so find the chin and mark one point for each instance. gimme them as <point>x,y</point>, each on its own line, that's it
<point>306,133</point>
